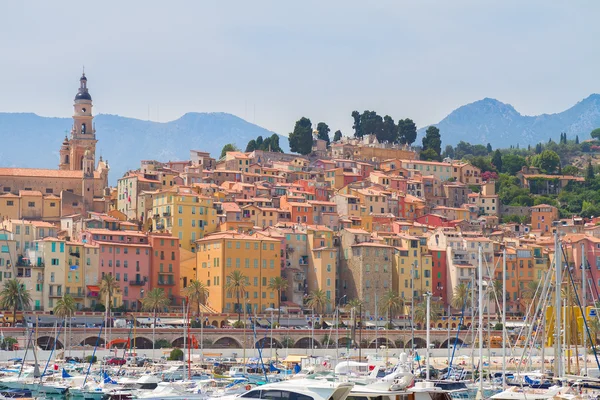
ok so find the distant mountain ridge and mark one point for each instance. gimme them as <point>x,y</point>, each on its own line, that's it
<point>32,141</point>
<point>492,121</point>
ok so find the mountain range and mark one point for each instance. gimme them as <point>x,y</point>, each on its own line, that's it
<point>491,121</point>
<point>32,141</point>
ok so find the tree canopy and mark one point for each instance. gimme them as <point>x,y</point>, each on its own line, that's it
<point>323,132</point>
<point>228,147</point>
<point>270,143</point>
<point>432,145</point>
<point>301,138</point>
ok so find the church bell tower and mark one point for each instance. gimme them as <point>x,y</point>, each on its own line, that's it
<point>83,134</point>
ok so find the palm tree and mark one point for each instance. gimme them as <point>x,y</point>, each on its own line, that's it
<point>196,292</point>
<point>65,307</point>
<point>461,297</point>
<point>317,300</point>
<point>435,310</point>
<point>236,284</point>
<point>108,288</point>
<point>278,284</point>
<point>495,292</point>
<point>14,297</point>
<point>155,300</point>
<point>390,302</point>
<point>529,291</point>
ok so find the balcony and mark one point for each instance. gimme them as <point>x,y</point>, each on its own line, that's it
<point>74,254</point>
<point>166,283</point>
<point>137,283</point>
<point>166,214</point>
<point>93,295</point>
<point>53,294</point>
<point>303,261</point>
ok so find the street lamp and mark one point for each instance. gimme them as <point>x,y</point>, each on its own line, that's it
<point>337,326</point>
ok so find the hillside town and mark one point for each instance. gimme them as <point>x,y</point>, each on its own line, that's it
<point>354,221</point>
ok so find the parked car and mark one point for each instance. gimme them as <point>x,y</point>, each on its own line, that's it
<point>116,361</point>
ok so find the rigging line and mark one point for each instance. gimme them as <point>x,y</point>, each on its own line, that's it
<point>52,351</point>
<point>587,329</point>
<point>93,356</point>
<point>543,293</point>
<point>460,323</point>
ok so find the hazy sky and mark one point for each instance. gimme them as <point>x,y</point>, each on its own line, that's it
<point>320,59</point>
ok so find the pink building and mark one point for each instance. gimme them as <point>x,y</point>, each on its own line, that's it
<point>126,256</point>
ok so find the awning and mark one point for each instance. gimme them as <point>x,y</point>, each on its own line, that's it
<point>377,323</point>
<point>93,288</point>
<point>293,359</point>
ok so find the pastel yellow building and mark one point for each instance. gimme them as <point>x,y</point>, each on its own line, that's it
<point>185,214</point>
<point>322,262</point>
<point>411,264</point>
<point>81,271</point>
<point>257,258</point>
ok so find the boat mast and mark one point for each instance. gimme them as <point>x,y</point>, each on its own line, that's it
<point>428,321</point>
<point>480,302</point>
<point>557,308</point>
<point>504,319</point>
<point>584,303</point>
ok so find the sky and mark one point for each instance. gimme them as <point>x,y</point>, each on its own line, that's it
<point>272,62</point>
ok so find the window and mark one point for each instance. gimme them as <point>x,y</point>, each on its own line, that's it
<point>31,204</point>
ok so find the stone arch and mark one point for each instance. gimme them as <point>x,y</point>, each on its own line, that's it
<point>445,343</point>
<point>453,325</point>
<point>223,324</point>
<point>266,343</point>
<point>345,342</point>
<point>439,325</point>
<point>214,323</point>
<point>141,342</point>
<point>180,341</point>
<point>380,341</point>
<point>47,343</point>
<point>399,343</point>
<point>92,340</point>
<point>66,158</point>
<point>420,343</point>
<point>305,342</point>
<point>226,342</point>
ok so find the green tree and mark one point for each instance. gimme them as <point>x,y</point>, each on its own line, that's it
<point>589,172</point>
<point>251,146</point>
<point>14,297</point>
<point>435,310</point>
<point>65,307</point>
<point>489,148</point>
<point>497,160</point>
<point>570,170</point>
<point>512,163</point>
<point>461,296</point>
<point>176,355</point>
<point>279,285</point>
<point>108,288</point>
<point>317,300</point>
<point>301,138</point>
<point>407,131</point>
<point>448,151</point>
<point>196,292</point>
<point>156,299</point>
<point>228,147</point>
<point>494,292</point>
<point>323,132</point>
<point>595,134</point>
<point>528,293</point>
<point>390,303</point>
<point>432,144</point>
<point>236,284</point>
<point>576,139</point>
<point>358,132</point>
<point>547,161</point>
<point>389,131</point>
<point>337,135</point>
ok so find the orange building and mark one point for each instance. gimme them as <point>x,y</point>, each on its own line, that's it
<point>542,217</point>
<point>300,210</point>
<point>165,268</point>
